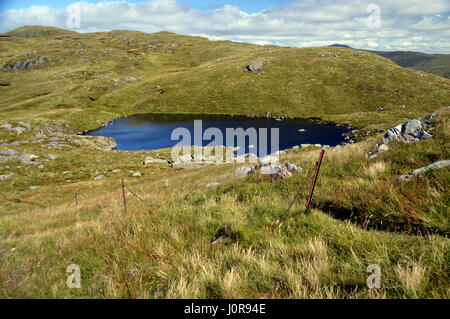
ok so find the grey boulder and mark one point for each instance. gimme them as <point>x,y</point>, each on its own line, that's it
<point>151,160</point>
<point>416,172</point>
<point>6,176</point>
<point>243,171</point>
<point>410,131</point>
<point>255,66</point>
<point>27,158</point>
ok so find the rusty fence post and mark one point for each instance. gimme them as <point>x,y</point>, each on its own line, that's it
<point>316,169</point>
<point>124,196</point>
<point>138,197</point>
<point>295,198</point>
<point>311,191</point>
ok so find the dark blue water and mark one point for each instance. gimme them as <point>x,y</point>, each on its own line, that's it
<point>153,131</point>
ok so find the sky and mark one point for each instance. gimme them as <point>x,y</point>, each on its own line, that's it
<point>414,25</point>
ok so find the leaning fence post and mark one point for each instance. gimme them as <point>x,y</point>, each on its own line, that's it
<point>316,169</point>
<point>296,195</point>
<point>311,191</point>
<point>124,196</point>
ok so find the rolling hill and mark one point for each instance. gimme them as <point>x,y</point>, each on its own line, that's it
<point>58,74</point>
<point>62,195</point>
<point>438,64</point>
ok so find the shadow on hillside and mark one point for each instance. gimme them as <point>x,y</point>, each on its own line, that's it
<point>410,227</point>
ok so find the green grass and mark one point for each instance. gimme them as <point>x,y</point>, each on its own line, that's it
<point>201,76</point>
<point>162,249</point>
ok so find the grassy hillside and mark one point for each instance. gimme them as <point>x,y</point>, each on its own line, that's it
<point>438,64</point>
<point>107,75</point>
<point>431,63</point>
<point>161,248</point>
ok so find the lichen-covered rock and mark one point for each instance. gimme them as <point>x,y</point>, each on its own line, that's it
<point>416,172</point>
<point>98,142</point>
<point>55,128</point>
<point>255,66</point>
<point>293,168</point>
<point>183,159</point>
<point>382,148</point>
<point>410,131</point>
<point>243,171</point>
<point>151,160</point>
<point>27,158</point>
<point>6,176</point>
<point>268,160</point>
<point>279,172</point>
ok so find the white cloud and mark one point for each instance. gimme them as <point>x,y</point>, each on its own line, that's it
<point>405,24</point>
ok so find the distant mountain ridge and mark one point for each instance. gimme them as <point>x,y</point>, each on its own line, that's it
<point>438,64</point>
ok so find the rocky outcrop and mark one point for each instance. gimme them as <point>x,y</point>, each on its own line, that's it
<point>243,171</point>
<point>276,171</point>
<point>416,172</point>
<point>279,172</point>
<point>255,66</point>
<point>21,65</point>
<point>151,160</point>
<point>6,176</point>
<point>189,161</point>
<point>268,160</point>
<point>101,143</point>
<point>56,128</point>
<point>410,131</point>
<point>28,159</point>
<point>22,127</point>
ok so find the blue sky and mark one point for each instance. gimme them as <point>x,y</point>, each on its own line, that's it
<point>407,25</point>
<point>249,6</point>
